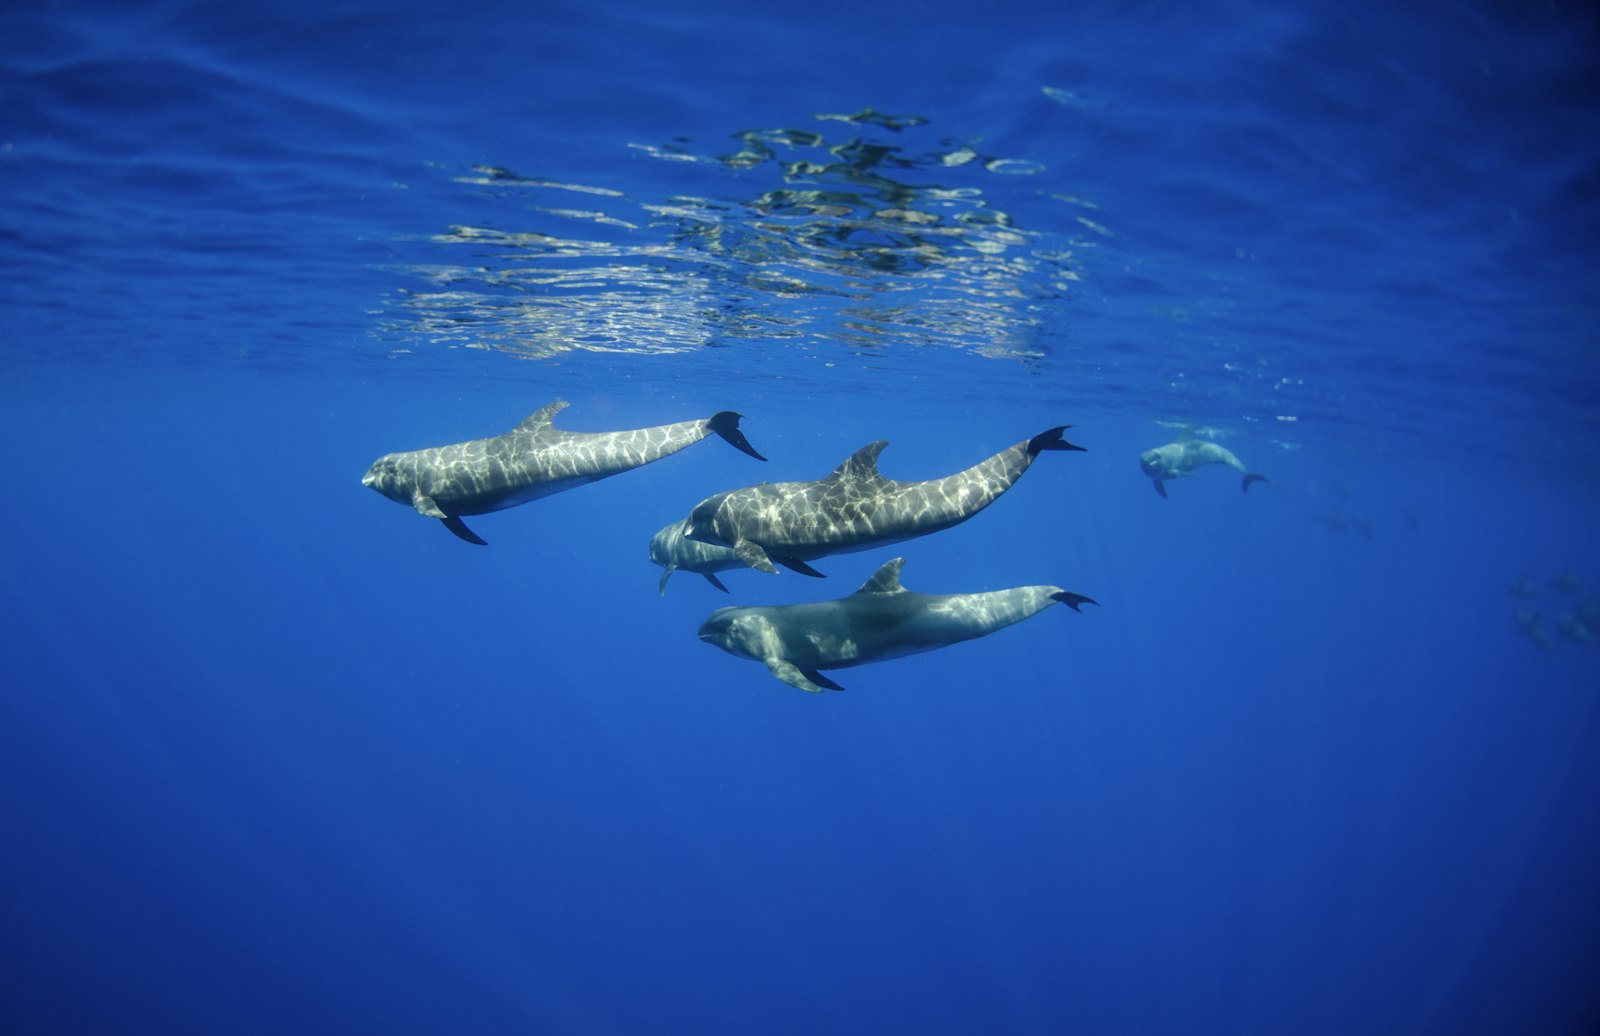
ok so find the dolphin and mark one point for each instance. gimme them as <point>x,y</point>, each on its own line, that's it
<point>1523,587</point>
<point>855,508</point>
<point>1575,629</point>
<point>1567,581</point>
<point>1529,622</point>
<point>1176,459</point>
<point>881,620</point>
<point>533,460</point>
<point>672,551</point>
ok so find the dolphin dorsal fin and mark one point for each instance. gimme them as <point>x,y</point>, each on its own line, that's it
<point>863,464</point>
<point>885,580</point>
<point>541,417</point>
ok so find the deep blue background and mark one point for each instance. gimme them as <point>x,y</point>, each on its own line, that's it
<point>278,755</point>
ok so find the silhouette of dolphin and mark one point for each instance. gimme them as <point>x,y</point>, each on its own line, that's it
<point>535,459</point>
<point>669,549</point>
<point>1177,459</point>
<point>855,508</point>
<point>881,620</point>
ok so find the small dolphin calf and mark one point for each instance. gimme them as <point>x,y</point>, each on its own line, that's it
<point>881,620</point>
<point>855,508</point>
<point>672,551</point>
<point>533,460</point>
<point>1177,459</point>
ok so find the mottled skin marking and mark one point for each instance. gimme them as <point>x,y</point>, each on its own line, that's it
<point>1177,459</point>
<point>881,620</point>
<point>855,508</point>
<point>669,549</point>
<point>531,461</point>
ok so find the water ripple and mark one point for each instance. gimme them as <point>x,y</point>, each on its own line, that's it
<point>888,238</point>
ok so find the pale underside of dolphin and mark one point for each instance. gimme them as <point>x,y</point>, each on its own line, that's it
<point>1183,458</point>
<point>669,549</point>
<point>533,460</point>
<point>881,620</point>
<point>855,508</point>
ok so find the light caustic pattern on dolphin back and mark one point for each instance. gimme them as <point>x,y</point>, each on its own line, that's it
<point>855,507</point>
<point>533,460</point>
<point>880,621</point>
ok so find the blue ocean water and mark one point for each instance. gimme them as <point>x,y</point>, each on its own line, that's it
<point>277,755</point>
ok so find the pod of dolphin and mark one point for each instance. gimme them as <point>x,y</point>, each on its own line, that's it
<point>854,508</point>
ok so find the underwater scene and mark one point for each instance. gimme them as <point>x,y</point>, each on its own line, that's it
<point>705,518</point>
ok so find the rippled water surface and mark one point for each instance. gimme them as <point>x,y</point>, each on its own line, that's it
<point>278,754</point>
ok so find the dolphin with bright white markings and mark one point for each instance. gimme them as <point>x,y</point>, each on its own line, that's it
<point>855,508</point>
<point>533,460</point>
<point>881,620</point>
<point>1177,459</point>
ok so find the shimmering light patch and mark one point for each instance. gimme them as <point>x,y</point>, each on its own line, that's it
<point>495,176</point>
<point>1069,98</point>
<point>865,242</point>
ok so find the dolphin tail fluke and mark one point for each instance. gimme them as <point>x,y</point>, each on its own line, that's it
<point>1161,488</point>
<point>1050,440</point>
<point>1250,477</point>
<point>1072,600</point>
<point>459,527</point>
<point>714,581</point>
<point>726,424</point>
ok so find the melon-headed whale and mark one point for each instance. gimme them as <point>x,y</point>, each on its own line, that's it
<point>533,460</point>
<point>855,508</point>
<point>1177,459</point>
<point>669,549</point>
<point>881,620</point>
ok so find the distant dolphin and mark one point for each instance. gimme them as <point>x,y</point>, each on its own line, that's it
<point>1177,459</point>
<point>1575,629</point>
<point>533,460</point>
<point>881,620</point>
<point>1523,587</point>
<point>672,551</point>
<point>1567,581</point>
<point>855,508</point>
<point>1528,621</point>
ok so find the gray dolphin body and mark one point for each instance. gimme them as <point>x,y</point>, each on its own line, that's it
<point>1177,459</point>
<point>533,460</point>
<point>855,508</point>
<point>671,550</point>
<point>881,620</point>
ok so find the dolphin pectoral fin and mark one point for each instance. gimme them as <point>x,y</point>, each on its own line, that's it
<point>796,565</point>
<point>1072,600</point>
<point>752,555</point>
<point>820,680</point>
<point>713,580</point>
<point>1250,477</point>
<point>1161,487</point>
<point>459,527</point>
<point>726,424</point>
<point>1051,439</point>
<point>426,506</point>
<point>661,588</point>
<point>792,675</point>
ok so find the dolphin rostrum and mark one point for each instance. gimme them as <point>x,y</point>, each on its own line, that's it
<point>669,549</point>
<point>533,460</point>
<point>855,508</point>
<point>881,620</point>
<point>1177,459</point>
